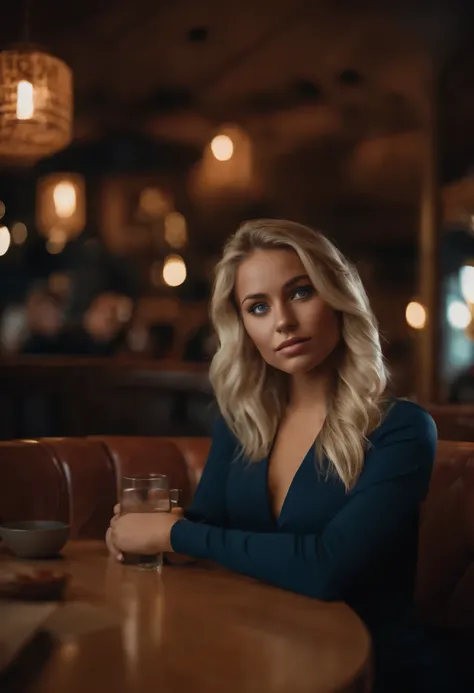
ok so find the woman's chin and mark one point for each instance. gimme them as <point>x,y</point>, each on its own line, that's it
<point>298,365</point>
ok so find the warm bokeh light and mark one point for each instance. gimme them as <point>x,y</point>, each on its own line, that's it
<point>459,315</point>
<point>467,282</point>
<point>65,200</point>
<point>5,240</point>
<point>61,205</point>
<point>415,315</point>
<point>60,284</point>
<point>19,233</point>
<point>176,230</point>
<point>56,242</point>
<point>153,203</point>
<point>174,270</point>
<point>69,650</point>
<point>54,248</point>
<point>2,210</point>
<point>222,147</point>
<point>25,100</point>
<point>225,170</point>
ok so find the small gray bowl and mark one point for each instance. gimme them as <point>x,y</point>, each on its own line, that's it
<point>35,539</point>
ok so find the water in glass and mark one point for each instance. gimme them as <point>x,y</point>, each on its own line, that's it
<point>145,494</point>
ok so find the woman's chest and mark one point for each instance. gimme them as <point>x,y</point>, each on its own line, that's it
<point>310,502</point>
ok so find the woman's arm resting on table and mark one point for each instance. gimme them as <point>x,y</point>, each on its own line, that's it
<point>324,565</point>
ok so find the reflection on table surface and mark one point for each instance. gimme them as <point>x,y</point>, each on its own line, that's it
<point>194,627</point>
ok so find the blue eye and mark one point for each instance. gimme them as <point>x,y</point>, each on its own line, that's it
<point>303,292</point>
<point>298,294</point>
<point>258,309</point>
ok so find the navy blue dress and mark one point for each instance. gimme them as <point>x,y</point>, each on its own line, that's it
<point>359,547</point>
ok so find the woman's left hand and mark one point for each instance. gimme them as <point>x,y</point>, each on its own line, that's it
<point>144,533</point>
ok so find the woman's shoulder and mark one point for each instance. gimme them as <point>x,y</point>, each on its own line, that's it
<point>404,418</point>
<point>404,444</point>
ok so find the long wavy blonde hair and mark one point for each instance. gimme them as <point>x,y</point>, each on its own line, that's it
<point>252,395</point>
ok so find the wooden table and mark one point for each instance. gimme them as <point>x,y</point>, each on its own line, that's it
<point>194,629</point>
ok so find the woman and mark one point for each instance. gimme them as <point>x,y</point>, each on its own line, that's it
<point>315,477</point>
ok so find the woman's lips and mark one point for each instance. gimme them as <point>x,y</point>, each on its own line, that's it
<point>294,347</point>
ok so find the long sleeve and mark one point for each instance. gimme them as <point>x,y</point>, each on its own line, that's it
<point>384,502</point>
<point>208,505</point>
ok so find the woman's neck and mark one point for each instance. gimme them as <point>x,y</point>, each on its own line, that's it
<point>312,390</point>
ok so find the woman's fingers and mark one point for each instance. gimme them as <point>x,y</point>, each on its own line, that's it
<point>109,537</point>
<point>108,541</point>
<point>111,547</point>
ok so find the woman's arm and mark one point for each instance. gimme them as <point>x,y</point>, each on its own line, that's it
<point>323,565</point>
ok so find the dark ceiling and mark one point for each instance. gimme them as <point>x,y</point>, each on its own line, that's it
<point>334,91</point>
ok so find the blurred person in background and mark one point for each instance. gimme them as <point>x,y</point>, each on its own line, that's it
<point>105,324</point>
<point>13,329</point>
<point>100,331</point>
<point>45,318</point>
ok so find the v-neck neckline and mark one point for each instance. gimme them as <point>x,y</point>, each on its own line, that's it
<point>276,520</point>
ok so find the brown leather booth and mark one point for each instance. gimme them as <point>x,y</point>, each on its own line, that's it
<point>453,421</point>
<point>75,480</point>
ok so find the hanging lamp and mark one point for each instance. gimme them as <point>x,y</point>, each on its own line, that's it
<point>36,101</point>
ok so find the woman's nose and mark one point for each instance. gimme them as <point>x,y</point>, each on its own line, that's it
<point>286,321</point>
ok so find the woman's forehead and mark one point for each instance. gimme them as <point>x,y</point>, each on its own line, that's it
<point>265,271</point>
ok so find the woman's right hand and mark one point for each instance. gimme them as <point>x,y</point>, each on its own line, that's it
<point>113,551</point>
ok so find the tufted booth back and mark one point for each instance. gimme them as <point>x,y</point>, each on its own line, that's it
<point>445,592</point>
<point>76,480</point>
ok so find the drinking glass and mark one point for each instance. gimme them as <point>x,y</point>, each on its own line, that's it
<point>175,497</point>
<point>145,494</point>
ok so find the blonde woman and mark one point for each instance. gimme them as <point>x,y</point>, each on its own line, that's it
<point>315,477</point>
